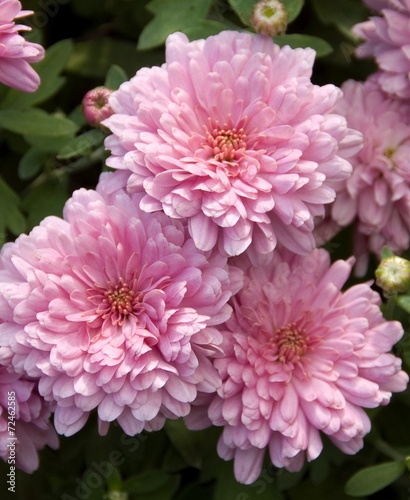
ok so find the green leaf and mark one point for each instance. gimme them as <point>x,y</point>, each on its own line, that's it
<point>341,14</point>
<point>36,122</point>
<point>152,485</point>
<point>77,116</point>
<point>48,69</point>
<point>405,451</point>
<point>31,163</point>
<point>332,488</point>
<point>293,8</point>
<point>187,443</point>
<point>197,491</point>
<point>11,217</point>
<point>204,28</point>
<point>44,200</point>
<point>49,144</point>
<point>115,77</point>
<point>82,145</point>
<point>386,253</point>
<point>404,302</point>
<point>114,480</point>
<point>92,485</point>
<point>56,57</point>
<point>93,58</point>
<point>146,482</point>
<point>321,47</point>
<point>171,16</point>
<point>374,478</point>
<point>287,480</point>
<point>243,9</point>
<point>264,488</point>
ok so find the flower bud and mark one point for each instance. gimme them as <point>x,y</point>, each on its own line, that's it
<point>269,17</point>
<point>393,275</point>
<point>96,107</point>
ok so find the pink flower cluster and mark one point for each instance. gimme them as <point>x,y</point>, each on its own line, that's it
<point>386,38</point>
<point>187,284</point>
<point>16,53</point>
<point>375,198</point>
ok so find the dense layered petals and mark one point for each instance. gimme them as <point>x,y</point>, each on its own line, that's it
<point>25,426</point>
<point>376,197</point>
<point>386,38</point>
<point>16,53</point>
<point>301,359</point>
<point>231,133</point>
<point>113,309</point>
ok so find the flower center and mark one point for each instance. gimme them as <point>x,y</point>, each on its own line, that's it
<point>291,343</point>
<point>119,301</point>
<point>389,152</point>
<point>120,298</point>
<point>227,144</point>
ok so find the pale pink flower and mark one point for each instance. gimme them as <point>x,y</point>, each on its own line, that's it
<point>16,53</point>
<point>25,426</point>
<point>386,38</point>
<point>376,197</point>
<point>231,133</point>
<point>113,309</point>
<point>301,358</point>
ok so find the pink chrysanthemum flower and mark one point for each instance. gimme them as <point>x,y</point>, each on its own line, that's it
<point>114,309</point>
<point>231,133</point>
<point>16,53</point>
<point>301,357</point>
<point>25,425</point>
<point>376,197</point>
<point>386,38</point>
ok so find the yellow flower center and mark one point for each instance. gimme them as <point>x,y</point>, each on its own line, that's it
<point>118,301</point>
<point>291,343</point>
<point>227,144</point>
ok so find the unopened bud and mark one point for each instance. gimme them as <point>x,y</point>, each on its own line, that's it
<point>269,17</point>
<point>116,495</point>
<point>96,107</point>
<point>393,275</point>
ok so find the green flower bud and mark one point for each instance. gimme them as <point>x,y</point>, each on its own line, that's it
<point>393,275</point>
<point>269,17</point>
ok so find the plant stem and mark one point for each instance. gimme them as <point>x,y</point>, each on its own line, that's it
<point>388,450</point>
